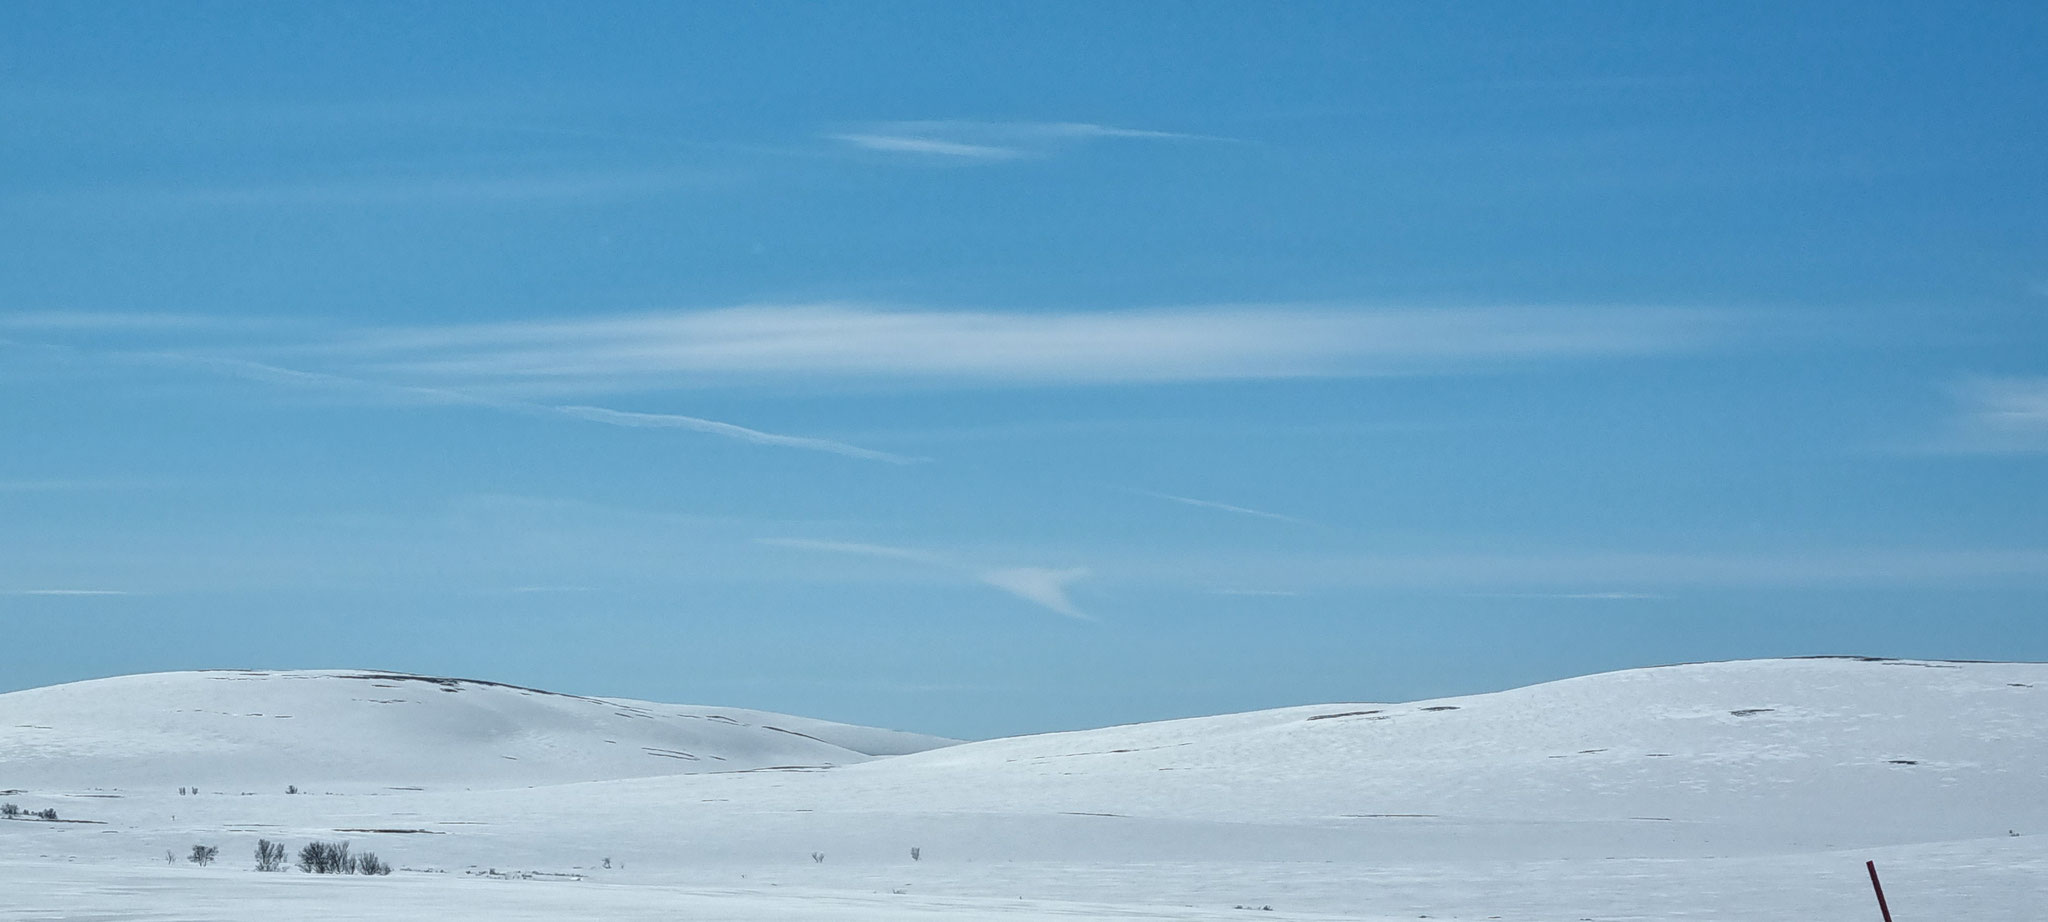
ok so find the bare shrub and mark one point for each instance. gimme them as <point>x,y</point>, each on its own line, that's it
<point>369,863</point>
<point>269,855</point>
<point>203,855</point>
<point>9,811</point>
<point>326,858</point>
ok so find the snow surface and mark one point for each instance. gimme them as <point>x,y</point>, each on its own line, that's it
<point>1751,790</point>
<point>370,730</point>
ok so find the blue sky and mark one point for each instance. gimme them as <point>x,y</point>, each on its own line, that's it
<point>994,368</point>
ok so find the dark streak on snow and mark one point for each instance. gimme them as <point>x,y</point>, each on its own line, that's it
<point>794,733</point>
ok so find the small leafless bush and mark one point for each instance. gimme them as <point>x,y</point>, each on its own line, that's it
<point>326,858</point>
<point>269,855</point>
<point>369,863</point>
<point>203,855</point>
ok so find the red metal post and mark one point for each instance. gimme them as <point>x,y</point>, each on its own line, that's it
<point>1874,885</point>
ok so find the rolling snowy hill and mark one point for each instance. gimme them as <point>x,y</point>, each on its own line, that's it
<point>1913,748</point>
<point>1749,790</point>
<point>364,729</point>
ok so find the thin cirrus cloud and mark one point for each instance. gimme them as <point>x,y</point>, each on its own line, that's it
<point>1578,596</point>
<point>1602,576</point>
<point>1045,587</point>
<point>401,190</point>
<point>1998,416</point>
<point>1225,507</point>
<point>65,592</point>
<point>1017,348</point>
<point>75,485</point>
<point>413,394</point>
<point>987,142</point>
<point>727,430</point>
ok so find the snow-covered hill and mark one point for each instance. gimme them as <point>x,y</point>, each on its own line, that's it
<point>1917,749</point>
<point>1750,790</point>
<point>354,730</point>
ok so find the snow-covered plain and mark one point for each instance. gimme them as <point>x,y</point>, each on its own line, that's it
<point>1751,790</point>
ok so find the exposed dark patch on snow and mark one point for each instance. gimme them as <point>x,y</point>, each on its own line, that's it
<point>453,684</point>
<point>1442,707</point>
<point>1342,714</point>
<point>793,733</point>
<point>1751,712</point>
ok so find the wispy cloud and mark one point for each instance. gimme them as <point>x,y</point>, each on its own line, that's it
<point>124,321</point>
<point>1225,507</point>
<point>1998,416</point>
<point>444,395</point>
<point>855,547</point>
<point>411,190</point>
<point>1047,587</point>
<point>1577,596</point>
<point>65,592</point>
<point>74,485</point>
<point>728,430</point>
<point>457,186</point>
<point>1056,347</point>
<point>901,144</point>
<point>966,140</point>
<point>1042,586</point>
<point>1642,575</point>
